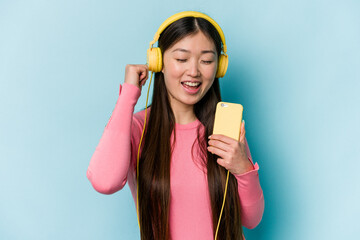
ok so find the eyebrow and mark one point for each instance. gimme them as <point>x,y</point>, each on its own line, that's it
<point>187,51</point>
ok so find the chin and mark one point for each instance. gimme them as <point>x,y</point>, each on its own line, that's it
<point>192,101</point>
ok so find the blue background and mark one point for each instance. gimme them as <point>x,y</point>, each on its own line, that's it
<point>294,65</point>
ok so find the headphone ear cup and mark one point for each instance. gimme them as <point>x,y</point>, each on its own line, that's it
<point>222,66</point>
<point>154,59</point>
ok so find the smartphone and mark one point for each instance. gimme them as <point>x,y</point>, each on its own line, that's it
<point>228,117</point>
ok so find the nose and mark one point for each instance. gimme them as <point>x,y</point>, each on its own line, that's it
<point>193,69</point>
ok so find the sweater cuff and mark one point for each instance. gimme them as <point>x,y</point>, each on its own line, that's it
<point>249,185</point>
<point>130,91</point>
<point>249,175</point>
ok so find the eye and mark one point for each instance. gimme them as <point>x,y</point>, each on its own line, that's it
<point>181,60</point>
<point>207,62</point>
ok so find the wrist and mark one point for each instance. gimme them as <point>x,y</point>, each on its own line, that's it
<point>246,166</point>
<point>133,84</point>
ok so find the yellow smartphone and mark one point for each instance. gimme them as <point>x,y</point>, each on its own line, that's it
<point>228,117</point>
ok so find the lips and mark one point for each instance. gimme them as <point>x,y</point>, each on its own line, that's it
<point>191,87</point>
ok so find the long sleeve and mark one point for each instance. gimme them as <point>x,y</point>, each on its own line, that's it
<point>110,162</point>
<point>251,195</point>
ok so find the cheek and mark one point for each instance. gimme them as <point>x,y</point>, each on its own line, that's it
<point>174,69</point>
<point>210,73</point>
<point>171,75</point>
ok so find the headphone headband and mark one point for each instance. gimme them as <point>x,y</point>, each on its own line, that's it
<point>154,55</point>
<point>180,15</point>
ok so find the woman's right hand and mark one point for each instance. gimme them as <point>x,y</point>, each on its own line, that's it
<point>136,74</point>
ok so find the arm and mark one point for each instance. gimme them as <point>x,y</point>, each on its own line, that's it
<point>250,194</point>
<point>110,162</point>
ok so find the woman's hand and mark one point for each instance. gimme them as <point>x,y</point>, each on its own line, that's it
<point>136,74</point>
<point>232,154</point>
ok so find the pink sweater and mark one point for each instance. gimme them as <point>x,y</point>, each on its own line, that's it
<point>114,163</point>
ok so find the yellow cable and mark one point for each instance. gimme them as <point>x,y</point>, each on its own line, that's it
<point>217,229</point>
<point>138,155</point>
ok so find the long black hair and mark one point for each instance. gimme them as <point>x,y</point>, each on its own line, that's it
<point>154,169</point>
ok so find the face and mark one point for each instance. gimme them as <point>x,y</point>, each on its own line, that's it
<point>189,69</point>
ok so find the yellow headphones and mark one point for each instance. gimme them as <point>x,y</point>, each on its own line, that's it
<point>154,55</point>
<point>154,62</point>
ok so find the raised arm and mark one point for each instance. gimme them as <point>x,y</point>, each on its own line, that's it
<point>110,162</point>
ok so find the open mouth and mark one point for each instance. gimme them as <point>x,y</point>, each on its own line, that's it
<point>191,85</point>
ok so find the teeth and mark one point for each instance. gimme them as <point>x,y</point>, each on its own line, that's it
<point>192,84</point>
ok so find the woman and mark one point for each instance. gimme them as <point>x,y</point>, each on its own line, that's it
<point>182,171</point>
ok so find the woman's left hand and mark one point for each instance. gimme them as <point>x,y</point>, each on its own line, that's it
<point>232,154</point>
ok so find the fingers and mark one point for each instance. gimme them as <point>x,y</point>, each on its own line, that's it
<point>231,153</point>
<point>222,138</point>
<point>144,75</point>
<point>222,163</point>
<point>242,132</point>
<point>143,72</point>
<point>221,145</point>
<point>136,74</point>
<point>217,151</point>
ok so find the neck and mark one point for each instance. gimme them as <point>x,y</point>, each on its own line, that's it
<point>184,114</point>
